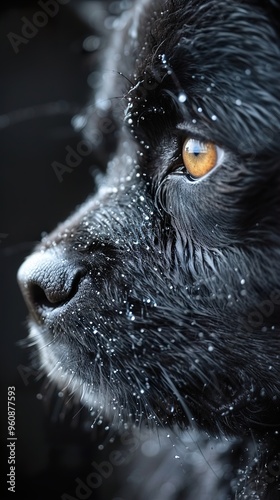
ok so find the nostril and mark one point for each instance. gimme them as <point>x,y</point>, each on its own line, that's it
<point>54,294</point>
<point>48,282</point>
<point>38,296</point>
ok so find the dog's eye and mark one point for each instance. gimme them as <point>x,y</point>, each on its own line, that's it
<point>199,157</point>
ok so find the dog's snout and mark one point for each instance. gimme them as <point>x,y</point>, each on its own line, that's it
<point>48,281</point>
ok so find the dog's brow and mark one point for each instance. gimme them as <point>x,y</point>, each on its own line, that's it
<point>189,126</point>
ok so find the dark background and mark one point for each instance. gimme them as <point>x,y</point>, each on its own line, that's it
<point>42,87</point>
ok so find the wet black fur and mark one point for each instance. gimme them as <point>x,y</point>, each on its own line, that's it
<point>176,314</point>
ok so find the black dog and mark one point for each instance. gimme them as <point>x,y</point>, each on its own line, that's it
<point>159,298</point>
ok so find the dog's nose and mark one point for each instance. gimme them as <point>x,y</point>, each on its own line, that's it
<point>48,281</point>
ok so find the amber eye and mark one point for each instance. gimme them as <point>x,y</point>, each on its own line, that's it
<point>199,157</point>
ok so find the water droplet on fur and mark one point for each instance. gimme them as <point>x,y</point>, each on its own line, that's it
<point>238,102</point>
<point>182,97</point>
<point>91,43</point>
<point>78,122</point>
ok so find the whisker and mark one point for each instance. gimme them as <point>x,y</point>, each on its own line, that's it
<point>30,113</point>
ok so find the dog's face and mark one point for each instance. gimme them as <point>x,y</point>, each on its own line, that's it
<point>159,297</point>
